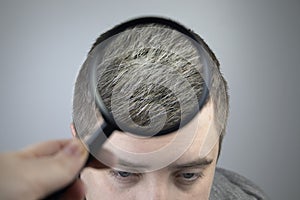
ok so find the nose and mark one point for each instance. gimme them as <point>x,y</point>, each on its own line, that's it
<point>157,189</point>
<point>157,193</point>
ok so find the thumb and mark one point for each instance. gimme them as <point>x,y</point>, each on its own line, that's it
<point>59,170</point>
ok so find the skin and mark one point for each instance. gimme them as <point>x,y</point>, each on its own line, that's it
<point>190,176</point>
<point>41,169</point>
<point>52,165</point>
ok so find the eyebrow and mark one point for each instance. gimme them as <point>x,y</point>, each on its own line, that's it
<point>128,165</point>
<point>198,163</point>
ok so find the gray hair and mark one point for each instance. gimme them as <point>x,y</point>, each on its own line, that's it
<point>149,74</point>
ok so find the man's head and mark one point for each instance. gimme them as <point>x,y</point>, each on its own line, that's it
<point>161,69</point>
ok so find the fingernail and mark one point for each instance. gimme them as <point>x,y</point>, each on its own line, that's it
<point>74,148</point>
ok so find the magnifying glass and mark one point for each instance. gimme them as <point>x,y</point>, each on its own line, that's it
<point>136,78</point>
<point>118,55</point>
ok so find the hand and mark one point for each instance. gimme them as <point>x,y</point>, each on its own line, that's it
<point>42,169</point>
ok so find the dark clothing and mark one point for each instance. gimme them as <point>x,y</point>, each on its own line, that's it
<point>228,185</point>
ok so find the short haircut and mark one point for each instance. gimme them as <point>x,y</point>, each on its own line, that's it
<point>145,49</point>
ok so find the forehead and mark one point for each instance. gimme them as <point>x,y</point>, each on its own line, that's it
<point>192,141</point>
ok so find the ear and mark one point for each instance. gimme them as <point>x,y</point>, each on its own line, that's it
<point>73,130</point>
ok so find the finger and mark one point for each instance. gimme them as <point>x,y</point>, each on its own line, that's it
<point>104,160</point>
<point>55,172</point>
<point>45,148</point>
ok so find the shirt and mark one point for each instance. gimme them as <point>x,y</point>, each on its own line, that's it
<point>228,185</point>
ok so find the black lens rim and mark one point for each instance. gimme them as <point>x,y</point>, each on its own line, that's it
<point>107,116</point>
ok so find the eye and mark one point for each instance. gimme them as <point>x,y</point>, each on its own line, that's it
<point>187,178</point>
<point>188,175</point>
<point>123,174</point>
<point>124,177</point>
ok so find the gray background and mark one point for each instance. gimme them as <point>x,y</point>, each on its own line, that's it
<point>43,44</point>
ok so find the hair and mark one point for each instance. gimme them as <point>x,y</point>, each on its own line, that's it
<point>151,73</point>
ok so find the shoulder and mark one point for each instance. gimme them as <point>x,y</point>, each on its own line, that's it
<point>230,185</point>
